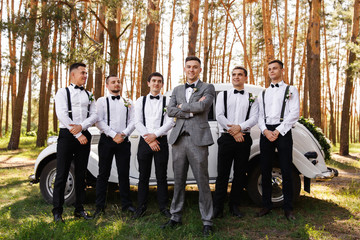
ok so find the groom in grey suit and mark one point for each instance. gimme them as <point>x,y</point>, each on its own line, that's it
<point>190,138</point>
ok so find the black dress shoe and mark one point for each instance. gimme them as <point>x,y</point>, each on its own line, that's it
<point>207,230</point>
<point>289,215</point>
<point>139,213</point>
<point>129,209</point>
<point>218,213</point>
<point>171,224</point>
<point>166,213</point>
<point>234,210</point>
<point>82,214</point>
<point>263,212</point>
<point>58,218</point>
<point>98,212</point>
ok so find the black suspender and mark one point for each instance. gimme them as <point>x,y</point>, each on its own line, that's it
<point>282,107</point>
<point>250,104</point>
<point>263,97</point>
<point>225,106</point>
<point>108,111</point>
<point>69,104</point>
<point>143,110</point>
<point>127,113</point>
<point>162,110</point>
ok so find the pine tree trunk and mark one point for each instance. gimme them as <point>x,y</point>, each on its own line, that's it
<point>193,26</point>
<point>313,63</point>
<point>44,46</point>
<point>30,33</point>
<point>151,44</point>
<point>168,79</point>
<point>100,39</point>
<point>345,116</point>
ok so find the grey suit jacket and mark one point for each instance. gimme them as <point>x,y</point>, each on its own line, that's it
<point>199,127</point>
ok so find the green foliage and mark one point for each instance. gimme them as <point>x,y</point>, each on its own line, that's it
<point>319,135</point>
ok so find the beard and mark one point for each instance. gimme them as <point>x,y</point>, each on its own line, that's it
<point>116,90</point>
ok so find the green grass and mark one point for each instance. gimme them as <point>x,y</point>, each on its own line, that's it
<point>327,213</point>
<point>27,147</point>
<point>330,211</point>
<point>353,148</point>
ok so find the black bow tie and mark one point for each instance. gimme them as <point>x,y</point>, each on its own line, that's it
<point>274,85</point>
<point>77,87</point>
<point>115,97</point>
<point>237,91</point>
<point>156,97</point>
<point>189,85</point>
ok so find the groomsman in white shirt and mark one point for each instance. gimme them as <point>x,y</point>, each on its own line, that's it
<point>236,113</point>
<point>152,123</point>
<point>278,111</point>
<point>116,123</point>
<point>76,111</point>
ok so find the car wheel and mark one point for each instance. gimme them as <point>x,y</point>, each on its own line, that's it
<point>47,180</point>
<point>255,186</point>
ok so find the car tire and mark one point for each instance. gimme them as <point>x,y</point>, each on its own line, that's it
<point>47,180</point>
<point>254,187</point>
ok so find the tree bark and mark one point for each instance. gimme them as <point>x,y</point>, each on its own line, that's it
<point>293,52</point>
<point>44,50</point>
<point>193,26</point>
<point>30,33</point>
<point>313,62</point>
<point>168,79</point>
<point>100,39</point>
<point>345,115</point>
<point>269,47</point>
<point>151,44</point>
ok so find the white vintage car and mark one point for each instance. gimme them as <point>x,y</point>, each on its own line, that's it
<point>308,159</point>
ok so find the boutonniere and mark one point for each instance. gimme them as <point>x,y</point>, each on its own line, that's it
<point>251,98</point>
<point>288,95</point>
<point>164,110</point>
<point>195,89</point>
<point>126,103</point>
<point>91,97</point>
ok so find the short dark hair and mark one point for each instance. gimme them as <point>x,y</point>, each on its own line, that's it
<point>277,61</point>
<point>76,65</point>
<point>155,74</point>
<point>192,58</point>
<point>241,68</point>
<point>108,77</point>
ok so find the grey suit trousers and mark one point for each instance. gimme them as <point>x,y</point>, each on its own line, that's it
<point>185,152</point>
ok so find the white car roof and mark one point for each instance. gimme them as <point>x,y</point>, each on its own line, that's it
<point>219,87</point>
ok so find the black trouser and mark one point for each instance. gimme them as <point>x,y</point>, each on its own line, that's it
<point>70,150</point>
<point>145,155</point>
<point>284,146</point>
<point>107,149</point>
<point>231,151</point>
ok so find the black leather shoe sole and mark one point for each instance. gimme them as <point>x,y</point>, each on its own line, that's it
<point>170,224</point>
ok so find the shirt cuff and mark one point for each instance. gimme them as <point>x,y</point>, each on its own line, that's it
<point>112,134</point>
<point>78,135</point>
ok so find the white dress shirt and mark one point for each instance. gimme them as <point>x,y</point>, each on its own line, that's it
<point>117,116</point>
<point>274,97</point>
<point>79,107</point>
<point>189,91</point>
<point>153,114</point>
<point>237,108</point>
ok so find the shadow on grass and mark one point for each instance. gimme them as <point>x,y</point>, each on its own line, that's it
<point>343,165</point>
<point>31,218</point>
